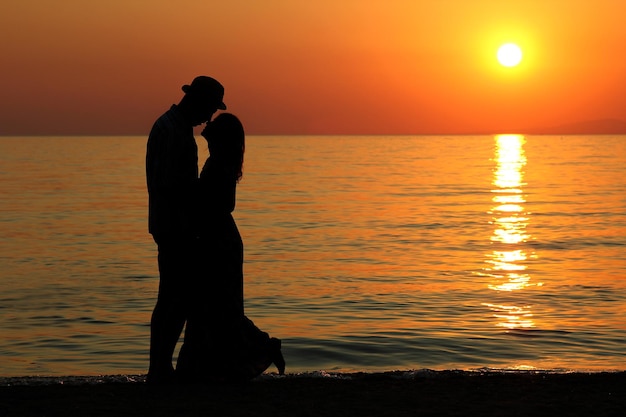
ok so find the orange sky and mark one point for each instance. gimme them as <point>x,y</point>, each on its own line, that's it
<point>312,67</point>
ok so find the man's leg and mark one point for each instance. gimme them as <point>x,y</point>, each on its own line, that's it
<point>169,314</point>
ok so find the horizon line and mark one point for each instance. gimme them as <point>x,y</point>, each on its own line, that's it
<point>99,135</point>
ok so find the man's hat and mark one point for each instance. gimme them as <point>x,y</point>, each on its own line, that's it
<point>207,87</point>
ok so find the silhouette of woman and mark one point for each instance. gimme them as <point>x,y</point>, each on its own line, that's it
<point>221,343</point>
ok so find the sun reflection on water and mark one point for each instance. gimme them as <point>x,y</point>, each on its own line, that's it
<point>507,268</point>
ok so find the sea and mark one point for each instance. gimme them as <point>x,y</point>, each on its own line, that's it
<point>362,253</point>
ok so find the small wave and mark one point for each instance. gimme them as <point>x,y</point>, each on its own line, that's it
<point>536,332</point>
<point>71,380</point>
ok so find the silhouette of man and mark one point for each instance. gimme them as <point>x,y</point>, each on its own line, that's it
<point>171,173</point>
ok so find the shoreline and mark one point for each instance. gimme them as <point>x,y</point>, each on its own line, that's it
<point>44,379</point>
<point>393,393</point>
<point>68,380</point>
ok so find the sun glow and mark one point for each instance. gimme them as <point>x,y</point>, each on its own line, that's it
<point>509,55</point>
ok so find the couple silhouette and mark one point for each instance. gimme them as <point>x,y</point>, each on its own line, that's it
<point>200,250</point>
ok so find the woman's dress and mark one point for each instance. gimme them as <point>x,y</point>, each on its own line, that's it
<point>221,343</point>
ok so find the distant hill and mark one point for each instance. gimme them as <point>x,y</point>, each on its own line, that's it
<point>589,127</point>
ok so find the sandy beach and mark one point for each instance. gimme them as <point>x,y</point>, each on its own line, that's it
<point>423,393</point>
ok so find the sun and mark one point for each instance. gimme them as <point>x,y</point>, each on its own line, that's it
<point>509,55</point>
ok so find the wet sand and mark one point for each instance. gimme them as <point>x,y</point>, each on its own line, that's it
<point>441,393</point>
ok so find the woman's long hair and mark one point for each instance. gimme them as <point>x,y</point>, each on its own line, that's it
<point>227,143</point>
